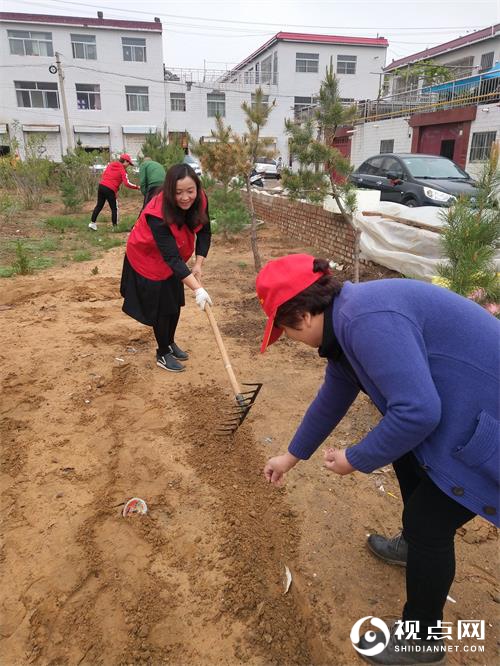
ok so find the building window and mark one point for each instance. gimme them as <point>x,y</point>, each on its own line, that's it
<point>265,101</point>
<point>257,72</point>
<point>346,64</point>
<point>34,95</point>
<point>266,70</point>
<point>249,76</point>
<point>306,62</point>
<point>275,68</point>
<point>480,147</point>
<point>27,42</point>
<point>137,98</point>
<point>216,104</point>
<point>88,96</point>
<point>84,47</point>
<point>387,146</point>
<point>301,103</point>
<point>178,101</point>
<point>487,61</point>
<point>134,48</point>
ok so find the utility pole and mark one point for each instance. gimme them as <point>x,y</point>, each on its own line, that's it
<point>60,73</point>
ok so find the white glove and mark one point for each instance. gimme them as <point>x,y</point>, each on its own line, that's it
<point>202,297</point>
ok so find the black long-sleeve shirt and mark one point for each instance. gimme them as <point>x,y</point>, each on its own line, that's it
<point>167,245</point>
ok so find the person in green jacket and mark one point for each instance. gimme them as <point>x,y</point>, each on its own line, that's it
<point>151,175</point>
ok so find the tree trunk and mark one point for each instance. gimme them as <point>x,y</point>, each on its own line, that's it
<point>356,232</point>
<point>253,229</point>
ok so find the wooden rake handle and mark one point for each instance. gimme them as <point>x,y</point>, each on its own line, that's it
<point>227,363</point>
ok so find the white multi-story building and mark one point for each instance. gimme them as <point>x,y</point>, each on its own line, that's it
<point>289,68</point>
<point>113,82</point>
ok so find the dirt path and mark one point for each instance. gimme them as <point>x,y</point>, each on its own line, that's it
<point>88,421</point>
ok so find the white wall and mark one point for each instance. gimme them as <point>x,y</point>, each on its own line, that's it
<point>110,71</point>
<point>475,50</point>
<point>366,139</point>
<point>362,85</point>
<point>487,120</point>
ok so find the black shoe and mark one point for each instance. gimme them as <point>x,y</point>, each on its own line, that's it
<point>402,651</point>
<point>178,353</point>
<point>393,551</point>
<point>168,362</point>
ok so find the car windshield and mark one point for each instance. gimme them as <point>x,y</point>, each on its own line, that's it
<point>265,160</point>
<point>190,160</point>
<point>433,167</point>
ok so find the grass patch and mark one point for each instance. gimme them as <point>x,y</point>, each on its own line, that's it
<point>7,271</point>
<point>62,223</point>
<point>60,240</point>
<point>82,255</point>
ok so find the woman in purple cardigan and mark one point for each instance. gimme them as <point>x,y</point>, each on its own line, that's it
<point>429,360</point>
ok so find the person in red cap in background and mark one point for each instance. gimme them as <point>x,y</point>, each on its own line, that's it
<point>113,176</point>
<point>429,359</point>
<point>170,228</point>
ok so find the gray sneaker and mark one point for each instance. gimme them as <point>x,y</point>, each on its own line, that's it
<point>401,651</point>
<point>393,551</point>
<point>93,226</point>
<point>168,362</point>
<point>178,353</point>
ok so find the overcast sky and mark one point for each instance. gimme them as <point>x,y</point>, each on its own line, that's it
<point>219,33</point>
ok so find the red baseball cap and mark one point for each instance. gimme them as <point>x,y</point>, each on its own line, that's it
<point>125,157</point>
<point>279,281</point>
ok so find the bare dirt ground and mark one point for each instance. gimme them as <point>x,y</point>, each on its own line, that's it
<point>88,421</point>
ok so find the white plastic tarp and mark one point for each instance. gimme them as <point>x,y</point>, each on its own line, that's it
<point>412,251</point>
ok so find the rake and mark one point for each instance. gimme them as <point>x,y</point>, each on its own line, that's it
<point>244,399</point>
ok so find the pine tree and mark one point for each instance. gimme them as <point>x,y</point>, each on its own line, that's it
<point>231,156</point>
<point>257,115</point>
<point>470,240</point>
<point>157,147</point>
<point>322,169</point>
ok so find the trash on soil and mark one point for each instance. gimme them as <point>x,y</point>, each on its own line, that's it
<point>451,599</point>
<point>134,505</point>
<point>122,360</point>
<point>391,495</point>
<point>287,580</point>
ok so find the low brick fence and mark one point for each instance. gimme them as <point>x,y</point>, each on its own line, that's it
<point>311,225</point>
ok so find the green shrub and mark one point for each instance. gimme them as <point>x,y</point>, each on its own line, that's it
<point>156,147</point>
<point>77,167</point>
<point>70,193</point>
<point>228,211</point>
<point>22,265</point>
<point>9,206</point>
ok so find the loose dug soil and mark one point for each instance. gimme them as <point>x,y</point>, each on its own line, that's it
<point>88,421</point>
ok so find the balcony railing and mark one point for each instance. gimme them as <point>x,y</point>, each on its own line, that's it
<point>220,79</point>
<point>479,90</point>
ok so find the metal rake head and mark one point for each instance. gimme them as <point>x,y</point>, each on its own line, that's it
<point>244,401</point>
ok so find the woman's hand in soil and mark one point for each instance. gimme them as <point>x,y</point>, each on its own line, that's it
<point>336,461</point>
<point>277,467</point>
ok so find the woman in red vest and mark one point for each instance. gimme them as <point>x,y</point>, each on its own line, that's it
<point>114,175</point>
<point>173,225</point>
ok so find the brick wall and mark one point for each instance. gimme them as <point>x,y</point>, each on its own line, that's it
<point>309,224</point>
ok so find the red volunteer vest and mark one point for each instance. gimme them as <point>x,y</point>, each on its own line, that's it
<point>142,250</point>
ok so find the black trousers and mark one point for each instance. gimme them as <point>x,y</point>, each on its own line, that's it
<point>150,193</point>
<point>105,194</point>
<point>430,521</point>
<point>164,330</point>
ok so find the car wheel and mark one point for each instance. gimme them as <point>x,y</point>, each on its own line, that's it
<point>411,202</point>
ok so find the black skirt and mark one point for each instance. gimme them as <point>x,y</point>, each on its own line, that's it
<point>147,300</point>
